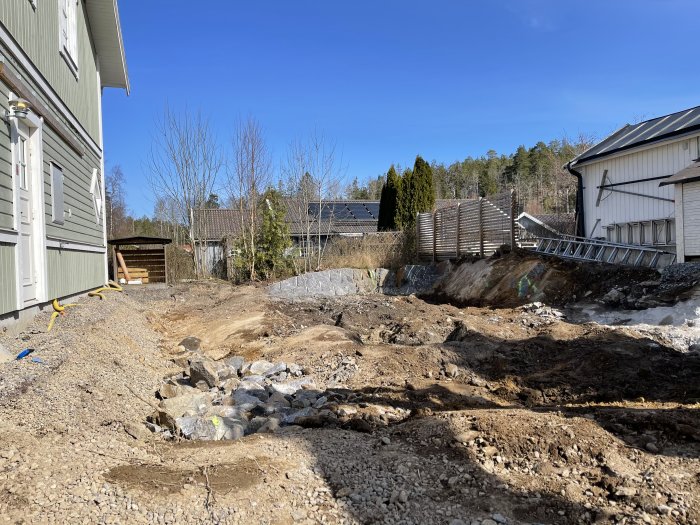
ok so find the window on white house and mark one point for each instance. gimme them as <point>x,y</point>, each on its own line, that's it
<point>96,192</point>
<point>57,207</point>
<point>68,32</point>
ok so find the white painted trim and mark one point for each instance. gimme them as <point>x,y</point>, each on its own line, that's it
<point>102,168</point>
<point>35,75</point>
<point>678,138</point>
<point>680,236</point>
<point>61,244</point>
<point>9,236</point>
<point>34,126</point>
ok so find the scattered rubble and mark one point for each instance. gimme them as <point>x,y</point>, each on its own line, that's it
<point>227,400</point>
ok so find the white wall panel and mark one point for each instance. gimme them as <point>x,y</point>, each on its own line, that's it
<point>691,219</point>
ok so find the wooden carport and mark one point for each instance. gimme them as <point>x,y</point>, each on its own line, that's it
<point>143,253</point>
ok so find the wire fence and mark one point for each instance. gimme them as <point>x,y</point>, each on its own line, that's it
<point>471,227</point>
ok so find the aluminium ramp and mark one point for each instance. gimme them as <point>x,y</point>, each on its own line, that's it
<point>592,250</point>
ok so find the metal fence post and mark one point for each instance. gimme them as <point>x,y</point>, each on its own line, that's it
<point>481,226</point>
<point>458,231</point>
<point>513,211</point>
<point>434,236</point>
<point>418,253</point>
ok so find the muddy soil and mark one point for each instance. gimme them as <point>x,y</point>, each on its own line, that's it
<point>473,415</point>
<point>521,277</point>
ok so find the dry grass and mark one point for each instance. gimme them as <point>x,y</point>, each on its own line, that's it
<point>380,250</point>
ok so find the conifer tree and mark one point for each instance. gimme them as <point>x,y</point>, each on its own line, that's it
<point>417,193</point>
<point>274,236</point>
<point>424,189</point>
<point>389,201</point>
<point>404,201</point>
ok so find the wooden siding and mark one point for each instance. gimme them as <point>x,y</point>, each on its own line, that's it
<point>80,225</point>
<point>36,32</point>
<point>6,211</point>
<point>691,219</point>
<point>71,272</point>
<point>665,159</point>
<point>8,292</point>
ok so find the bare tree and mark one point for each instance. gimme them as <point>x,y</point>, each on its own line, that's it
<point>248,175</point>
<point>116,202</point>
<point>313,176</point>
<point>184,163</point>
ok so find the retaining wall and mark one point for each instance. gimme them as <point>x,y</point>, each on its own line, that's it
<point>349,281</point>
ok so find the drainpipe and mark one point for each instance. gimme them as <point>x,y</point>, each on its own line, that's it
<point>580,222</point>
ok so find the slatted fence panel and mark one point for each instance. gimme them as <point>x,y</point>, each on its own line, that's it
<point>477,226</point>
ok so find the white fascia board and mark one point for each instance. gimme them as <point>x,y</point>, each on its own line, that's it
<point>39,80</point>
<point>61,244</point>
<point>106,32</point>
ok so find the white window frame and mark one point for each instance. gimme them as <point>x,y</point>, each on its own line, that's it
<point>96,192</point>
<point>58,204</point>
<point>68,33</point>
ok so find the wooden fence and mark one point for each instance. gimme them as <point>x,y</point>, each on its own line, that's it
<point>471,227</point>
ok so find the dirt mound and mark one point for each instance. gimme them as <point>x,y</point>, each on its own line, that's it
<point>523,277</point>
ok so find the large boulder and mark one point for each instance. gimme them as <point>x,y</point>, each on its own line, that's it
<point>186,403</point>
<point>192,344</point>
<point>235,362</point>
<point>291,387</point>
<point>204,370</point>
<point>258,368</point>
<point>210,428</point>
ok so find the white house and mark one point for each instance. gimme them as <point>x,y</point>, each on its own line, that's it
<point>635,186</point>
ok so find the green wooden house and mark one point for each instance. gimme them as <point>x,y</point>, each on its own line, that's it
<point>56,56</point>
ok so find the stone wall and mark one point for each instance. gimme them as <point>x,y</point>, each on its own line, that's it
<point>349,281</point>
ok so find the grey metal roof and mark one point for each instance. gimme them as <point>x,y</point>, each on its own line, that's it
<point>646,132</point>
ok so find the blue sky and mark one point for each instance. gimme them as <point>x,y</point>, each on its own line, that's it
<point>389,79</point>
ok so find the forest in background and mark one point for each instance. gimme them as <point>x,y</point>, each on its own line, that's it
<point>537,175</point>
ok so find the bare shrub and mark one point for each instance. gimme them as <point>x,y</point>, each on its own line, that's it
<point>180,264</point>
<point>379,250</point>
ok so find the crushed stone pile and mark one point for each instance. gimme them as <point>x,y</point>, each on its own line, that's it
<point>231,398</point>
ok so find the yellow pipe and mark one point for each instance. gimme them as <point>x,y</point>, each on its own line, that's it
<point>53,318</point>
<point>110,286</point>
<point>96,293</point>
<point>58,310</point>
<point>114,286</point>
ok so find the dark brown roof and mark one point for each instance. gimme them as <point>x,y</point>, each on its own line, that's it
<point>689,174</point>
<point>139,240</point>
<point>214,224</point>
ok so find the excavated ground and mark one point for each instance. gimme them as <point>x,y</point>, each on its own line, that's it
<point>505,415</point>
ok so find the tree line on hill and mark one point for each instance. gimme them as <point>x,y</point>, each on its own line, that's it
<point>536,174</point>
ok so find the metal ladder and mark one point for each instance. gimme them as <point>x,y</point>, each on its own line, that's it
<point>581,249</point>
